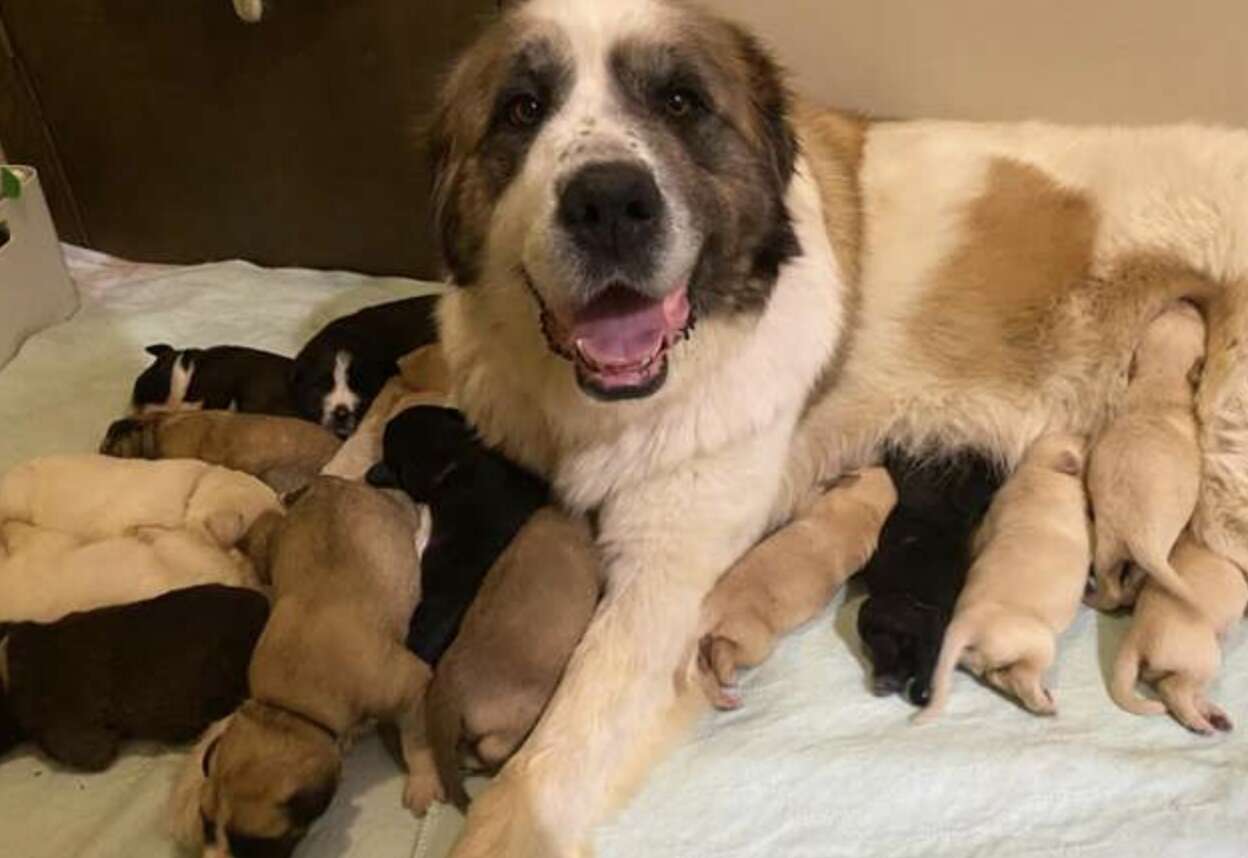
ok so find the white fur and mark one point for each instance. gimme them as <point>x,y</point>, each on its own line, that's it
<point>180,378</point>
<point>341,394</point>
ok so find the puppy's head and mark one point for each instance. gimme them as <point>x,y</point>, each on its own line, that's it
<point>423,446</point>
<point>267,778</point>
<point>335,387</point>
<point>163,385</point>
<point>606,173</point>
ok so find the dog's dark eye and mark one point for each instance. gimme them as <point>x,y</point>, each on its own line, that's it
<point>681,103</point>
<point>525,111</point>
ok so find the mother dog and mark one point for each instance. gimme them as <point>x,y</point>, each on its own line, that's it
<point>689,300</point>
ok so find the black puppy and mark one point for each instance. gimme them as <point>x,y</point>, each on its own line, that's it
<point>218,378</point>
<point>343,368</point>
<point>919,569</point>
<point>479,501</point>
<point>160,670</point>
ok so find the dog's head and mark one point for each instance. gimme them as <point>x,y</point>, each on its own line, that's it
<point>163,385</point>
<point>423,446</point>
<point>335,387</point>
<point>267,778</point>
<point>621,169</point>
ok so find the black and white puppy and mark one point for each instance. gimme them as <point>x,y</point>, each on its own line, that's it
<point>159,670</point>
<point>218,378</point>
<point>343,368</point>
<point>479,501</point>
<point>919,569</point>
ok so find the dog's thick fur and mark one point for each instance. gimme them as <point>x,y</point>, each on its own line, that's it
<point>1144,471</point>
<point>515,641</point>
<point>1024,588</point>
<point>1176,646</point>
<point>936,285</point>
<point>345,569</point>
<point>789,578</point>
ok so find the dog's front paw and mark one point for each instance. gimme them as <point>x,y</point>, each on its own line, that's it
<point>421,791</point>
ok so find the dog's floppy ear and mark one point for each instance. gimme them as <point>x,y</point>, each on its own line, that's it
<point>159,350</point>
<point>308,804</point>
<point>1070,463</point>
<point>382,476</point>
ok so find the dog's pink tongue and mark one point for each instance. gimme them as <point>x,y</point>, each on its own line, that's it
<point>624,328</point>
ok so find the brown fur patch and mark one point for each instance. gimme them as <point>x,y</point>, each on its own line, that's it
<point>988,314</point>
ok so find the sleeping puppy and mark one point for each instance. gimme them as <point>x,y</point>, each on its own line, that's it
<point>1144,471</point>
<point>160,670</point>
<point>345,568</point>
<point>284,452</point>
<point>789,578</point>
<point>1175,645</point>
<point>495,679</point>
<point>232,378</point>
<point>1025,586</point>
<point>916,574</point>
<point>339,372</point>
<point>479,501</point>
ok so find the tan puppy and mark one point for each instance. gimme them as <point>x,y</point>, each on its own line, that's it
<point>282,451</point>
<point>1144,471</point>
<point>789,578</point>
<point>345,567</point>
<point>1176,646</point>
<point>496,678</point>
<point>1024,588</point>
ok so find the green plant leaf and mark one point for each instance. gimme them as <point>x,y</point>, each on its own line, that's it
<point>10,184</point>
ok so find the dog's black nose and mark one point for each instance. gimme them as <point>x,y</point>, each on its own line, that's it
<point>612,210</point>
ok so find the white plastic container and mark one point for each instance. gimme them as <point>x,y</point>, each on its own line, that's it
<point>35,289</point>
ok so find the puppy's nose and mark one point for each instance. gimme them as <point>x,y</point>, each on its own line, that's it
<point>612,210</point>
<point>344,419</point>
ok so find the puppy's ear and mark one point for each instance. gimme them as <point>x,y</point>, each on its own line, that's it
<point>159,350</point>
<point>226,527</point>
<point>310,803</point>
<point>209,752</point>
<point>258,543</point>
<point>1070,463</point>
<point>381,476</point>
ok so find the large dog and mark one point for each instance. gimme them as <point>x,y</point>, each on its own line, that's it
<point>688,300</point>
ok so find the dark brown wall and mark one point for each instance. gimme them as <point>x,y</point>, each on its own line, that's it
<point>171,131</point>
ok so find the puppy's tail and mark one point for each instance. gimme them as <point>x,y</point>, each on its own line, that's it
<point>957,638</point>
<point>445,728</point>
<point>1122,685</point>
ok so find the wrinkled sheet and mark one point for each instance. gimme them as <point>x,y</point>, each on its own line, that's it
<point>59,395</point>
<point>812,767</point>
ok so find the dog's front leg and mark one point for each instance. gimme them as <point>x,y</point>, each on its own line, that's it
<point>665,543</point>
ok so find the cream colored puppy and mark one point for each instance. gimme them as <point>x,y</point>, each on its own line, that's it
<point>1024,588</point>
<point>1144,471</point>
<point>1176,646</point>
<point>789,578</point>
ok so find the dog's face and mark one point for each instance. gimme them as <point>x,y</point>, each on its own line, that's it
<point>163,385</point>
<point>622,166</point>
<point>267,779</point>
<point>336,388</point>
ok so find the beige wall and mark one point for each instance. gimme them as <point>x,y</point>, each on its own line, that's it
<point>1071,60</point>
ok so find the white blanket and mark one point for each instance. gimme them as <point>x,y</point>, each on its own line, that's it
<point>813,767</point>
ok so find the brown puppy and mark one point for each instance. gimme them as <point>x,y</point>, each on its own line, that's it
<point>1144,470</point>
<point>789,578</point>
<point>284,452</point>
<point>1176,646</point>
<point>345,567</point>
<point>494,681</point>
<point>1024,588</point>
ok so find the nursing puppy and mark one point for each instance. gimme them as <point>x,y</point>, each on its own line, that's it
<point>479,501</point>
<point>160,670</point>
<point>284,452</point>
<point>917,572</point>
<point>1024,588</point>
<point>222,377</point>
<point>789,578</point>
<point>496,678</point>
<point>345,568</point>
<point>1176,645</point>
<point>341,369</point>
<point>1144,472</point>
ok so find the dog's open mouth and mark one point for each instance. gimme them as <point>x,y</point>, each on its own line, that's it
<point>619,341</point>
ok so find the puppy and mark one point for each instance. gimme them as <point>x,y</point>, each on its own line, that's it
<point>1176,645</point>
<point>1024,588</point>
<point>340,371</point>
<point>1144,471</point>
<point>754,605</point>
<point>495,679</point>
<point>160,670</point>
<point>917,572</point>
<point>479,501</point>
<point>223,377</point>
<point>345,569</point>
<point>283,452</point>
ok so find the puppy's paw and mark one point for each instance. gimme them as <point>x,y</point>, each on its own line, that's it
<point>422,790</point>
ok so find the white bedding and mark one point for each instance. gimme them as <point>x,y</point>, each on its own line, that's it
<point>813,767</point>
